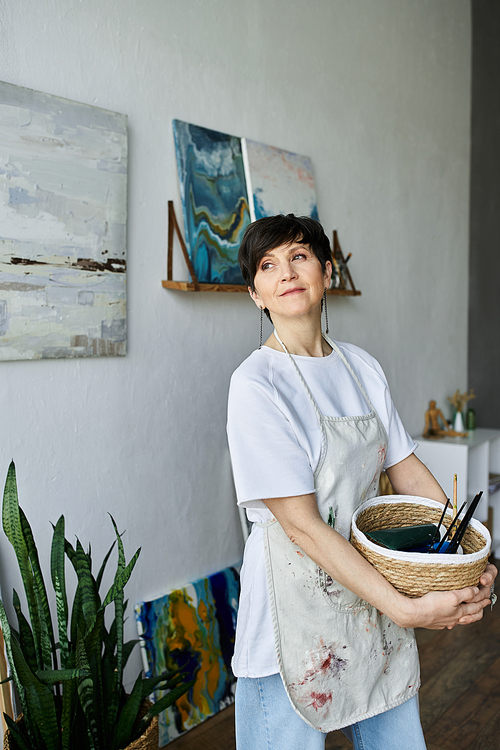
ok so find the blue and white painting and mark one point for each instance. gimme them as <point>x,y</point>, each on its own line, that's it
<point>63,210</point>
<point>214,200</point>
<point>278,181</point>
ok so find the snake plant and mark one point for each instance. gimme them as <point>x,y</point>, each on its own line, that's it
<point>70,681</point>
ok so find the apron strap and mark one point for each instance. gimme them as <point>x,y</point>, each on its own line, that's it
<point>344,360</point>
<point>311,397</point>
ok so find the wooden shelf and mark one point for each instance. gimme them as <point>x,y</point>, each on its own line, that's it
<point>346,288</point>
<point>189,286</point>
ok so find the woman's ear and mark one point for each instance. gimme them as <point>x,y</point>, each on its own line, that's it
<point>255,298</point>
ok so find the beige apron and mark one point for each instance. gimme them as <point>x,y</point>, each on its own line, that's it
<point>340,659</point>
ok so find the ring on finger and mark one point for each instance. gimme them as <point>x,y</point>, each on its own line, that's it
<point>493,596</point>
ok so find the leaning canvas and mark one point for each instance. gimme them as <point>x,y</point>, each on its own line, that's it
<point>278,181</point>
<point>192,629</point>
<point>63,210</point>
<point>214,200</point>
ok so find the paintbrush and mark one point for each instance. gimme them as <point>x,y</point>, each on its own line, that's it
<point>434,538</point>
<point>465,523</point>
<point>455,504</point>
<point>468,516</point>
<point>451,529</point>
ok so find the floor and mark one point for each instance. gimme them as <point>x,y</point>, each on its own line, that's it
<point>459,698</point>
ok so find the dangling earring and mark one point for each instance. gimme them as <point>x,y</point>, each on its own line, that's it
<point>326,311</point>
<point>261,316</point>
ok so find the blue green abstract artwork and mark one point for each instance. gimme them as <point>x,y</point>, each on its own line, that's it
<point>214,200</point>
<point>192,629</point>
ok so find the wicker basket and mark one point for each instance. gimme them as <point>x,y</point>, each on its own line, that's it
<point>416,573</point>
<point>150,740</point>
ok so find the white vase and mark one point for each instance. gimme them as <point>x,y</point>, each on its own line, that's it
<point>458,422</point>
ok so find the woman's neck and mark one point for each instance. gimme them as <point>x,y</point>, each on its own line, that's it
<point>300,339</point>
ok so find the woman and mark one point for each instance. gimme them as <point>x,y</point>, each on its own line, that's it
<point>323,640</point>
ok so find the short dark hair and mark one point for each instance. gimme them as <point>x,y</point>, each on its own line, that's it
<point>270,232</point>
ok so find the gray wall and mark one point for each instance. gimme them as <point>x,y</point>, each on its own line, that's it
<point>484,290</point>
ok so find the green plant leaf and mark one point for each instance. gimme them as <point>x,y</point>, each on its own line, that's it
<point>86,584</point>
<point>165,681</point>
<point>108,669</point>
<point>11,520</point>
<point>93,648</point>
<point>51,676</point>
<point>120,581</point>
<point>77,618</point>
<point>115,593</point>
<point>118,661</point>
<point>42,710</point>
<point>57,570</point>
<point>85,687</point>
<point>94,638</point>
<point>127,650</point>
<point>68,548</point>
<point>40,715</point>
<point>121,551</point>
<point>98,580</point>
<point>165,702</point>
<point>25,636</point>
<point>8,639</point>
<point>47,641</point>
<point>69,713</point>
<point>128,716</point>
<point>110,638</point>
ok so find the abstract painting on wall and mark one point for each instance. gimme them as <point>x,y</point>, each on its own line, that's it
<point>278,181</point>
<point>63,206</point>
<point>192,629</point>
<point>214,200</point>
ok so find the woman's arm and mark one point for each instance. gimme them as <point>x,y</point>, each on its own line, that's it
<point>301,521</point>
<point>412,477</point>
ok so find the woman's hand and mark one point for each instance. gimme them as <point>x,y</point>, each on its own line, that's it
<point>445,609</point>
<point>489,575</point>
<point>485,584</point>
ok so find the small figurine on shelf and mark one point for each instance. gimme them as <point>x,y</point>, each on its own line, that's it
<point>433,429</point>
<point>458,401</point>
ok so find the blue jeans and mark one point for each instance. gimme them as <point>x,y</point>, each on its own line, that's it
<point>265,720</point>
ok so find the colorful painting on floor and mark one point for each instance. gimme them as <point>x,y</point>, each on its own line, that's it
<point>278,181</point>
<point>192,629</point>
<point>214,200</point>
<point>63,211</point>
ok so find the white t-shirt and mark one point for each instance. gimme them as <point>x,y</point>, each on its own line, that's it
<point>275,444</point>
